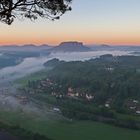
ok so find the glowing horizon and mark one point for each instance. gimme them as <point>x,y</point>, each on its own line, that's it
<point>92,22</point>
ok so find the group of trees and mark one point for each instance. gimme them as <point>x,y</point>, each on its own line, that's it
<point>50,9</point>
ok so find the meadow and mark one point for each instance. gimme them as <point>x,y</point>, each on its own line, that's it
<point>60,129</point>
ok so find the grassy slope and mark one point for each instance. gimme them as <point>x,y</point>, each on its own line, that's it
<point>62,130</point>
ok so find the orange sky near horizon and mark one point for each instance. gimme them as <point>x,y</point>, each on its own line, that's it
<point>56,42</point>
<point>59,31</point>
<point>99,22</point>
<point>20,37</point>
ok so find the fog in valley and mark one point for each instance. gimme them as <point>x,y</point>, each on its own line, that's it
<point>33,64</point>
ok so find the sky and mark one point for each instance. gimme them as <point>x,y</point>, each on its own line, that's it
<point>114,22</point>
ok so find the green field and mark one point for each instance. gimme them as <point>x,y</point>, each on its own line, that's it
<point>59,129</point>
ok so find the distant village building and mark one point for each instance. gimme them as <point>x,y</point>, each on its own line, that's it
<point>132,107</point>
<point>109,69</point>
<point>107,105</point>
<point>138,112</point>
<point>71,92</point>
<point>135,101</point>
<point>77,94</point>
<point>55,109</point>
<point>54,94</point>
<point>89,97</point>
<point>22,99</point>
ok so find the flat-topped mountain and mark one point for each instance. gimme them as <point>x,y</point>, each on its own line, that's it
<point>72,46</point>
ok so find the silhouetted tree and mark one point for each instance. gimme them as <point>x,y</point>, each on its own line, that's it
<point>32,9</point>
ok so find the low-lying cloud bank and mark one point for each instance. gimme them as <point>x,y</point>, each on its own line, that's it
<point>34,64</point>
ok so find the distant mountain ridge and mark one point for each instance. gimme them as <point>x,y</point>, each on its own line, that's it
<point>105,47</point>
<point>70,46</point>
<point>26,47</point>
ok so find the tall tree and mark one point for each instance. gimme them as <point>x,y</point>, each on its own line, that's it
<point>32,9</point>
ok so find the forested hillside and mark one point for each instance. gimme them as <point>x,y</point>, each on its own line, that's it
<point>105,89</point>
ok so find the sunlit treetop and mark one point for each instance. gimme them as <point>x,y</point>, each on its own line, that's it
<point>32,9</point>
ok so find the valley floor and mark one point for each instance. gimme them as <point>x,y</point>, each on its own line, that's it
<point>57,127</point>
<point>61,129</point>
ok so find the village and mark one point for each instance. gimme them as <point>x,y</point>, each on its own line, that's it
<point>133,105</point>
<point>54,90</point>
